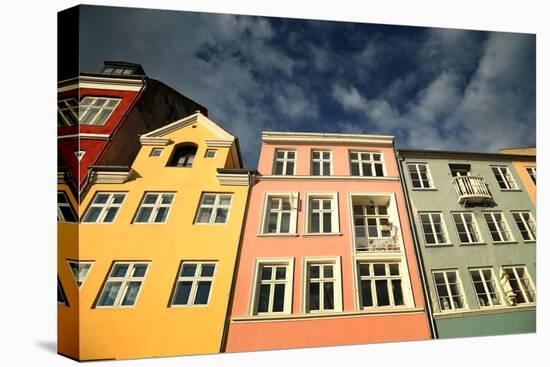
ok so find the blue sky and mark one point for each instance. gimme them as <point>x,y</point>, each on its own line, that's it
<point>430,88</point>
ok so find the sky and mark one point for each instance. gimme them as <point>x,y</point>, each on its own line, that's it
<point>431,88</point>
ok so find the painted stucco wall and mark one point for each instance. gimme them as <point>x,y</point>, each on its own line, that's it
<point>521,170</point>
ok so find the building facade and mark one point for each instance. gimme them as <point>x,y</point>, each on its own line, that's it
<point>475,227</point>
<point>152,271</point>
<point>524,161</point>
<point>327,256</point>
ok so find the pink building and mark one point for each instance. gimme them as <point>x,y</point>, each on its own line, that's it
<point>327,256</point>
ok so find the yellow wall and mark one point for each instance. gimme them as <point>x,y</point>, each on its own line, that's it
<point>520,167</point>
<point>152,328</point>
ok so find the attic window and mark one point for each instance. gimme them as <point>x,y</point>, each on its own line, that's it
<point>119,70</point>
<point>183,156</point>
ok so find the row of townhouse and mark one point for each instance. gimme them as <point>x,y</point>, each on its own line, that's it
<point>167,246</point>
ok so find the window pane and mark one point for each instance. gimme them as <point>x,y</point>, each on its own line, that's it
<point>279,298</point>
<point>109,294</point>
<point>366,293</point>
<point>290,168</point>
<point>204,215</point>
<point>207,270</point>
<point>355,169</point>
<point>326,168</point>
<point>379,170</point>
<point>397,292</point>
<point>119,270</point>
<point>92,215</point>
<point>314,271</point>
<point>314,296</point>
<point>139,270</point>
<point>279,168</point>
<point>167,198</point>
<point>272,223</point>
<point>328,296</point>
<point>327,223</point>
<point>110,215</point>
<point>364,269</point>
<point>315,169</point>
<point>131,293</point>
<point>315,222</point>
<point>382,292</point>
<point>225,200</point>
<point>266,273</point>
<point>68,214</point>
<point>394,269</point>
<point>221,215</point>
<point>379,269</point>
<point>285,223</point>
<point>162,212</point>
<point>203,291</point>
<point>143,214</point>
<point>188,270</point>
<point>208,199</point>
<point>182,293</point>
<point>150,199</point>
<point>367,169</point>
<point>327,271</point>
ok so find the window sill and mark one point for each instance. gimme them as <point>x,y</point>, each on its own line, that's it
<point>505,242</point>
<point>321,234</point>
<point>529,241</point>
<point>484,310</point>
<point>439,245</point>
<point>423,189</point>
<point>277,235</point>
<point>473,244</point>
<point>511,190</point>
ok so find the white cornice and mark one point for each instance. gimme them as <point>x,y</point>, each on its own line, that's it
<point>327,178</point>
<point>84,136</point>
<point>97,82</point>
<point>485,311</point>
<point>295,137</point>
<point>154,141</point>
<point>232,179</point>
<point>109,177</point>
<point>219,143</point>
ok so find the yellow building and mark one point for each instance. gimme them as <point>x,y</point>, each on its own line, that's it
<point>524,161</point>
<point>157,246</point>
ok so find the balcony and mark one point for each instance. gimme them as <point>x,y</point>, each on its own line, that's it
<point>365,244</point>
<point>471,189</point>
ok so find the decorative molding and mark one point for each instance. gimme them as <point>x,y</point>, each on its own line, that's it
<point>233,179</point>
<point>109,177</point>
<point>97,82</point>
<point>278,137</point>
<point>154,141</point>
<point>329,178</point>
<point>196,118</point>
<point>84,136</point>
<point>219,143</point>
<point>484,311</point>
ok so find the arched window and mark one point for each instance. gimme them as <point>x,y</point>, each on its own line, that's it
<point>183,156</point>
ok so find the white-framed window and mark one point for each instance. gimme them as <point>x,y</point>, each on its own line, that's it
<point>323,291</point>
<point>322,213</point>
<point>65,212</point>
<point>280,213</point>
<point>526,225</point>
<point>485,287</point>
<point>104,207</point>
<point>366,164</point>
<point>67,112</point>
<point>420,176</point>
<point>154,207</point>
<point>183,156</point>
<point>372,221</point>
<point>213,208</point>
<point>532,171</point>
<point>273,290</point>
<point>210,153</point>
<point>80,270</point>
<point>498,227</point>
<point>380,284</point>
<point>521,284</point>
<point>433,226</point>
<point>96,110</point>
<point>61,296</point>
<point>504,178</point>
<point>123,284</point>
<point>450,294</point>
<point>285,162</point>
<point>467,228</point>
<point>194,283</point>
<point>321,162</point>
<point>156,152</point>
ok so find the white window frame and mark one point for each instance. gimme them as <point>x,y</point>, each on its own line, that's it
<point>60,217</point>
<point>321,261</point>
<point>156,206</point>
<point>105,206</point>
<point>70,109</point>
<point>154,151</point>
<point>78,278</point>
<point>496,287</point>
<point>532,172</point>
<point>84,109</point>
<point>370,161</point>
<point>468,233</point>
<point>450,295</point>
<point>256,282</point>
<point>124,283</point>
<point>428,176</point>
<point>285,160</point>
<point>498,226</point>
<point>530,231</point>
<point>522,286</point>
<point>506,175</point>
<point>195,279</point>
<point>293,198</point>
<point>320,161</point>
<point>432,225</point>
<point>376,216</point>
<point>403,276</point>
<point>214,151</point>
<point>215,207</point>
<point>334,210</point>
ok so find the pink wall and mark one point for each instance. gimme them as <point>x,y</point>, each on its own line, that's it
<point>304,332</point>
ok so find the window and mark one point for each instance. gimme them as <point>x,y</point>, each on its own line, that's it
<point>521,284</point>
<point>67,112</point>
<point>322,292</point>
<point>156,152</point>
<point>61,296</point>
<point>500,232</point>
<point>284,162</point>
<point>372,221</point>
<point>526,225</point>
<point>380,284</point>
<point>434,229</point>
<point>96,110</point>
<point>80,270</point>
<point>366,164</point>
<point>449,291</point>
<point>210,153</point>
<point>274,287</point>
<point>65,212</point>
<point>321,163</point>
<point>504,178</point>
<point>154,207</point>
<point>420,177</point>
<point>213,208</point>
<point>194,283</point>
<point>123,284</point>
<point>466,228</point>
<point>183,156</point>
<point>532,171</point>
<point>322,214</point>
<point>484,284</point>
<point>458,170</point>
<point>280,213</point>
<point>104,207</point>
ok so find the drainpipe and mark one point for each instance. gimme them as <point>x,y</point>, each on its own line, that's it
<point>419,260</point>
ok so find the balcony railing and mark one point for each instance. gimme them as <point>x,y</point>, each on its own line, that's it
<point>471,189</point>
<point>387,244</point>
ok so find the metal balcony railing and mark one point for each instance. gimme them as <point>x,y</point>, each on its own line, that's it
<point>386,244</point>
<point>471,189</point>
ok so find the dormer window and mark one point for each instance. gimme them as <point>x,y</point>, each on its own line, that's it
<point>96,110</point>
<point>183,156</point>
